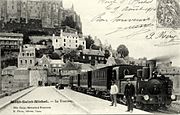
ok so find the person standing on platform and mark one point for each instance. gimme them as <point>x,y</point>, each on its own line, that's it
<point>113,93</point>
<point>129,93</point>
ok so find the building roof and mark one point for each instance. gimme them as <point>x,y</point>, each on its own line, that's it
<point>89,67</point>
<point>10,68</point>
<point>111,61</point>
<point>81,39</point>
<point>7,76</point>
<point>11,38</point>
<point>120,61</point>
<point>36,39</point>
<point>70,34</point>
<point>93,52</point>
<point>71,66</point>
<point>11,35</point>
<point>44,57</point>
<point>85,67</point>
<point>19,69</point>
<point>56,61</point>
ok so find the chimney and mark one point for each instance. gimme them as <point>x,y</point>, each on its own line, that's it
<point>76,33</point>
<point>61,32</point>
<point>20,48</point>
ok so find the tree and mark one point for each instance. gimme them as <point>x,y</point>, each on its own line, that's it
<point>122,51</point>
<point>71,55</point>
<point>42,42</point>
<point>69,22</point>
<point>61,48</point>
<point>89,42</point>
<point>107,54</point>
<point>95,47</point>
<point>80,47</point>
<point>54,55</point>
<point>26,39</point>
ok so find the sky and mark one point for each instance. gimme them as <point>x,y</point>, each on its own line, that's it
<point>138,45</point>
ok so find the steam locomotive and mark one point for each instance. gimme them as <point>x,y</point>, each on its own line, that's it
<point>150,90</point>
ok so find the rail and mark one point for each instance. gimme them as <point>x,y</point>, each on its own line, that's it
<point>12,92</point>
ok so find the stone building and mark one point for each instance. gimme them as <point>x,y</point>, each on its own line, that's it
<point>9,70</point>
<point>46,13</point>
<point>37,76</point>
<point>7,83</point>
<point>53,67</point>
<point>26,57</point>
<point>11,40</point>
<point>68,40</point>
<point>71,68</point>
<point>92,56</point>
<point>174,74</point>
<point>21,78</point>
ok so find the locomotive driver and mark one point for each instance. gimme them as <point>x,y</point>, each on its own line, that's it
<point>113,93</point>
<point>129,93</point>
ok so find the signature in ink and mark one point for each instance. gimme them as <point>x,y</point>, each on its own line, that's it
<point>135,2</point>
<point>142,31</point>
<point>112,5</point>
<point>167,39</point>
<point>107,1</point>
<point>99,18</point>
<point>119,19</point>
<point>161,35</point>
<point>131,28</point>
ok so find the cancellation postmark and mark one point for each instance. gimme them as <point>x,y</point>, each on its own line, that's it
<point>168,13</point>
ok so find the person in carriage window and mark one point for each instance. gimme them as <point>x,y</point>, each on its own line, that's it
<point>113,93</point>
<point>129,93</point>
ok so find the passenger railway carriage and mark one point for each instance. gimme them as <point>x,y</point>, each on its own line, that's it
<point>150,91</point>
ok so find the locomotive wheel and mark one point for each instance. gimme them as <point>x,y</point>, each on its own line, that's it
<point>139,105</point>
<point>155,107</point>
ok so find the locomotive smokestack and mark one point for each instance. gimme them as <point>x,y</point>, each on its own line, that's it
<point>152,66</point>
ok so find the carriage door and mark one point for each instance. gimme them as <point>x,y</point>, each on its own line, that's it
<point>109,77</point>
<point>78,80</point>
<point>115,74</point>
<point>89,79</point>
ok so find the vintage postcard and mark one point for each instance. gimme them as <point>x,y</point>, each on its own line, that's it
<point>89,57</point>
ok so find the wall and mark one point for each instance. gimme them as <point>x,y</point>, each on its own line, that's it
<point>52,80</point>
<point>21,78</point>
<point>7,83</point>
<point>37,75</point>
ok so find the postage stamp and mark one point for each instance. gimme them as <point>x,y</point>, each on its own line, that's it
<point>168,13</point>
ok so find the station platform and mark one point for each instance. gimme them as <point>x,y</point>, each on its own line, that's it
<point>94,105</point>
<point>4,101</point>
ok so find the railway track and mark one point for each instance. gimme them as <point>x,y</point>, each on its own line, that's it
<point>168,111</point>
<point>174,108</point>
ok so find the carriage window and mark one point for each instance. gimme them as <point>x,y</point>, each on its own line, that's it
<point>104,74</point>
<point>126,72</point>
<point>97,74</point>
<point>94,74</point>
